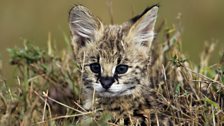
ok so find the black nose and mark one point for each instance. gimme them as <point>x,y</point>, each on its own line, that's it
<point>106,82</point>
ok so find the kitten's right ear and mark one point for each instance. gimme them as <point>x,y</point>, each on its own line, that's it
<point>83,25</point>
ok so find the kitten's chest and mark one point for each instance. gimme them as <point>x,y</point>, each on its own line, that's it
<point>134,111</point>
<point>122,107</point>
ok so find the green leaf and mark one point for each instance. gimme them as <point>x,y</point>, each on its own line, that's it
<point>214,104</point>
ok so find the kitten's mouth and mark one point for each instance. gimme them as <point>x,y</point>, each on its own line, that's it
<point>107,93</point>
<point>111,93</point>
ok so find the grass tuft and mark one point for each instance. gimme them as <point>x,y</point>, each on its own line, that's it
<point>48,91</point>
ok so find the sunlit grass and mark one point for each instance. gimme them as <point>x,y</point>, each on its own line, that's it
<point>49,91</point>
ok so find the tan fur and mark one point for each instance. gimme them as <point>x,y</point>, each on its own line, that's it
<point>111,45</point>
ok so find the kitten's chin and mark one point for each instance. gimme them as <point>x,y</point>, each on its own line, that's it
<point>115,90</point>
<point>108,93</point>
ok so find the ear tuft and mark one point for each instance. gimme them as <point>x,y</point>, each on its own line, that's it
<point>142,29</point>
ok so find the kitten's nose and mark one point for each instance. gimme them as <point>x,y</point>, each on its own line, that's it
<point>106,82</point>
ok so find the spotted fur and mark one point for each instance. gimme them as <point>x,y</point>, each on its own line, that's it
<point>112,45</point>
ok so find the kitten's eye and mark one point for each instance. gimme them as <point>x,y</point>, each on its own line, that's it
<point>121,69</point>
<point>95,67</point>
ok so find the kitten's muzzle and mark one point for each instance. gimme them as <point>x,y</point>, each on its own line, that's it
<point>106,82</point>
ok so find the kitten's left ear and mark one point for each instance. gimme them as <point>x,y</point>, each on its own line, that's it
<point>142,30</point>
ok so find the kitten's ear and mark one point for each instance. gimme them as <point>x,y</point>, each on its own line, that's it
<point>141,31</point>
<point>83,25</point>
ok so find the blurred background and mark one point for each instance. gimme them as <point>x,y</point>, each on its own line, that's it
<point>202,20</point>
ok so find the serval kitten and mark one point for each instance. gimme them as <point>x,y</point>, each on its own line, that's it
<point>115,61</point>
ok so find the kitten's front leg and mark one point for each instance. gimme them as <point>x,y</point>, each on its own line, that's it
<point>88,100</point>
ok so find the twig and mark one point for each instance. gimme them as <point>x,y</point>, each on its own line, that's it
<point>45,95</point>
<point>63,117</point>
<point>201,75</point>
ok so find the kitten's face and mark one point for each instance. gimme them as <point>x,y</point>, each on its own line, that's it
<point>111,66</point>
<point>113,58</point>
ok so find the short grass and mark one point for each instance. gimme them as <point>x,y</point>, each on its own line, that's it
<point>48,92</point>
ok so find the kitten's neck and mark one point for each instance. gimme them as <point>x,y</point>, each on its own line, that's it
<point>121,103</point>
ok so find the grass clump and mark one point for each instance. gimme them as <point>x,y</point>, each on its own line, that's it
<point>48,90</point>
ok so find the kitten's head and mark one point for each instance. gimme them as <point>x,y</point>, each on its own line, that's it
<point>113,58</point>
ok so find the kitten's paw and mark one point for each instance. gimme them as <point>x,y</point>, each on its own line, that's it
<point>88,104</point>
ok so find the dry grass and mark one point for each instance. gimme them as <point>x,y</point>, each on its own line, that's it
<point>48,89</point>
